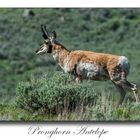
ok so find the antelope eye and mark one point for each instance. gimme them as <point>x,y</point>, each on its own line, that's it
<point>46,42</point>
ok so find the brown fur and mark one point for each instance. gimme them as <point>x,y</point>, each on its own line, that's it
<point>109,61</point>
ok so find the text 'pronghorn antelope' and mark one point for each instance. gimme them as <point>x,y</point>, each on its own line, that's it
<point>89,65</point>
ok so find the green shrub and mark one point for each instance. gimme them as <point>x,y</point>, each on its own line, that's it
<point>55,95</point>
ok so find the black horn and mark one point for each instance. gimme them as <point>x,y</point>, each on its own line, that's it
<point>44,31</point>
<point>54,34</point>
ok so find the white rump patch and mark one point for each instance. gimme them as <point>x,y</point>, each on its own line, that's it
<point>123,62</point>
<point>122,59</point>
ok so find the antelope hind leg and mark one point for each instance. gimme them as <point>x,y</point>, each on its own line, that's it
<point>122,81</point>
<point>132,87</point>
<point>122,93</point>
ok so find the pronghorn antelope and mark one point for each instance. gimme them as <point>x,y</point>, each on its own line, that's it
<point>89,65</point>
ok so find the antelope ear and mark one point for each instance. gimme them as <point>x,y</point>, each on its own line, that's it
<point>54,34</point>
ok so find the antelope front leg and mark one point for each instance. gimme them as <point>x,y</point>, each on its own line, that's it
<point>78,79</point>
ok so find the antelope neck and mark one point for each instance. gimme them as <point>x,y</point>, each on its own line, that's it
<point>60,53</point>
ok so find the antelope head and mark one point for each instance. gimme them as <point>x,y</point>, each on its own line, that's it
<point>49,41</point>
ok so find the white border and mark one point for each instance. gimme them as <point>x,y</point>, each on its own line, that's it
<point>17,132</point>
<point>115,132</point>
<point>70,3</point>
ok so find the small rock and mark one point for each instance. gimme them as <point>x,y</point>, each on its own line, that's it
<point>28,13</point>
<point>62,19</point>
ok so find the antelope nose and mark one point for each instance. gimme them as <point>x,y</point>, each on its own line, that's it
<point>37,52</point>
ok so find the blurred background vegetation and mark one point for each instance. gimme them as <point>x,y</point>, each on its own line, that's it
<point>114,31</point>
